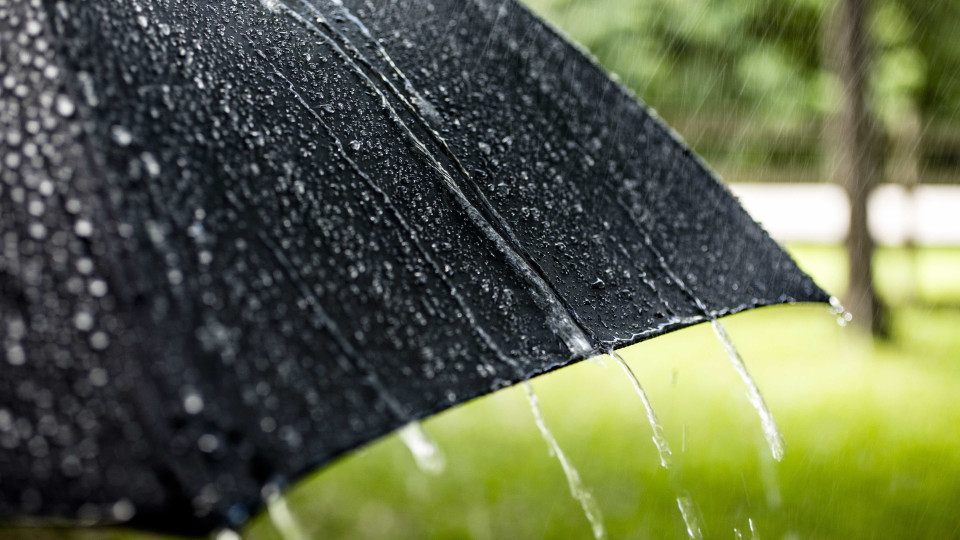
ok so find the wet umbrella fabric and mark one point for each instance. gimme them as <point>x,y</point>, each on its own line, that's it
<point>242,238</point>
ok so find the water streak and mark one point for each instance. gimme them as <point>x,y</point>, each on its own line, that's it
<point>659,439</point>
<point>577,490</point>
<point>226,534</point>
<point>280,515</point>
<point>689,513</point>
<point>770,480</point>
<point>770,430</point>
<point>425,450</point>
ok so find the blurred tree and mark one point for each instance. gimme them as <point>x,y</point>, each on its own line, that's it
<point>853,133</point>
<point>751,86</point>
<point>744,80</point>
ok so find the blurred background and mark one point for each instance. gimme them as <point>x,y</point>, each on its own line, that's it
<point>836,122</point>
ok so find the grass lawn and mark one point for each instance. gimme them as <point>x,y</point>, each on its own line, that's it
<point>872,432</point>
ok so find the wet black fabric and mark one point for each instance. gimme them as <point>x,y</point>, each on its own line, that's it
<point>242,238</point>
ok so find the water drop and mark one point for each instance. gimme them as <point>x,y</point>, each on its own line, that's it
<point>65,106</point>
<point>99,341</point>
<point>121,135</point>
<point>98,377</point>
<point>208,443</point>
<point>193,403</point>
<point>123,510</point>
<point>83,228</point>
<point>33,27</point>
<point>98,288</point>
<point>16,356</point>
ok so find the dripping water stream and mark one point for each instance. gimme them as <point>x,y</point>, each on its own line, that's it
<point>685,504</point>
<point>659,439</point>
<point>770,430</point>
<point>769,426</point>
<point>577,489</point>
<point>425,450</point>
<point>280,516</point>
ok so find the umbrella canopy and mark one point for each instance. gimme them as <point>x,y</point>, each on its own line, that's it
<point>242,238</point>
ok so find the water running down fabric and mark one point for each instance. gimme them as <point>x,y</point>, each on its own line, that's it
<point>242,238</point>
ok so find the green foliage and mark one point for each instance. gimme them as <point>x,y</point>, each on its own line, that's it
<point>751,71</point>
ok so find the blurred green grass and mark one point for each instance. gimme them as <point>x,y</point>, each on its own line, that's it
<point>873,445</point>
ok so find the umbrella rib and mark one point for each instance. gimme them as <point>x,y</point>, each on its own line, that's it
<point>561,318</point>
<point>385,197</point>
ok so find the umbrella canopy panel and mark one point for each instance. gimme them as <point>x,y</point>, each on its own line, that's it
<point>241,238</point>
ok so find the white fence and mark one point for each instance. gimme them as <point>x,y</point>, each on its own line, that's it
<point>819,213</point>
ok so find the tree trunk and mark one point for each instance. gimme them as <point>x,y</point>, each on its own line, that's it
<point>904,169</point>
<point>855,142</point>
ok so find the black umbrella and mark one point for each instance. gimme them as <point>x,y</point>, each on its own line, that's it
<point>242,238</point>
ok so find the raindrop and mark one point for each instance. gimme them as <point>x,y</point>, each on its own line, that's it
<point>98,377</point>
<point>770,430</point>
<point>425,450</point>
<point>65,106</point>
<point>16,356</point>
<point>99,341</point>
<point>98,288</point>
<point>123,510</point>
<point>208,443</point>
<point>33,27</point>
<point>193,403</point>
<point>37,231</point>
<point>83,228</point>
<point>577,489</point>
<point>121,135</point>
